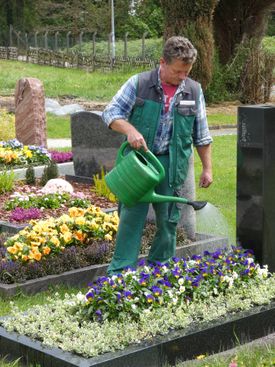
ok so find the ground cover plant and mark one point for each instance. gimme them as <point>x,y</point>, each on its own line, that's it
<point>152,300</point>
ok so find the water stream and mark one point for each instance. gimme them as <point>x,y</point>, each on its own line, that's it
<point>211,221</point>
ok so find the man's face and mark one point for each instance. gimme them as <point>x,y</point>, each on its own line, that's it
<point>175,72</point>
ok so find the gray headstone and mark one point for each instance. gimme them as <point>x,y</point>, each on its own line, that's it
<point>94,145</point>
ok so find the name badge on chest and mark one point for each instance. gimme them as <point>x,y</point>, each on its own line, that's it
<point>187,103</point>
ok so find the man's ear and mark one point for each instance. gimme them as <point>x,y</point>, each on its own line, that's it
<point>161,61</point>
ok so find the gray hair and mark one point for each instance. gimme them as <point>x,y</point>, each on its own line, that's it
<point>179,48</point>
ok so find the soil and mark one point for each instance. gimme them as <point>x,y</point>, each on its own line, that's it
<point>78,187</point>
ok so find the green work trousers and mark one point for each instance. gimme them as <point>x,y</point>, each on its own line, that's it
<point>132,221</point>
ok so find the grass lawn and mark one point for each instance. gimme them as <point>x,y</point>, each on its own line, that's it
<point>219,119</point>
<point>222,192</point>
<point>96,86</point>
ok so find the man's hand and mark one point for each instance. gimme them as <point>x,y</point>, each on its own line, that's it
<point>205,156</point>
<point>134,138</point>
<point>206,179</point>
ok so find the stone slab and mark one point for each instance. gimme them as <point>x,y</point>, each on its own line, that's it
<point>81,277</point>
<point>184,344</point>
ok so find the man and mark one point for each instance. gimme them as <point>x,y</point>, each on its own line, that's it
<point>162,110</point>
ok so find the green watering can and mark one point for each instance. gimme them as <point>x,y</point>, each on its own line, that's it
<point>135,176</point>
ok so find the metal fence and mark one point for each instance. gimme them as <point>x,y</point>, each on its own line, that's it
<point>65,50</point>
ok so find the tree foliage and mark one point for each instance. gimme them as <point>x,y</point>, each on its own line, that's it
<point>193,19</point>
<point>239,21</point>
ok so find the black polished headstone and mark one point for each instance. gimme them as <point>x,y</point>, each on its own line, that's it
<point>94,146</point>
<point>256,181</point>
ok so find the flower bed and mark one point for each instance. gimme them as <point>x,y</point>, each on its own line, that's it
<point>14,154</point>
<point>46,238</point>
<point>27,196</point>
<point>93,252</point>
<point>200,297</point>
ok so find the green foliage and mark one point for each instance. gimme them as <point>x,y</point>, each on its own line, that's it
<point>30,175</point>
<point>44,178</point>
<point>271,25</point>
<point>7,179</point>
<point>269,44</point>
<point>48,201</point>
<point>101,188</point>
<point>7,125</point>
<point>217,90</point>
<point>50,171</point>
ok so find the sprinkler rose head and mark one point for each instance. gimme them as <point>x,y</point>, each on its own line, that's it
<point>197,205</point>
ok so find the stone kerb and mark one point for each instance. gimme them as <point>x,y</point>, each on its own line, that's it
<point>94,146</point>
<point>81,277</point>
<point>66,168</point>
<point>159,351</point>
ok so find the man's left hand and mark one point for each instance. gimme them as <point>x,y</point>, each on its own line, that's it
<point>206,179</point>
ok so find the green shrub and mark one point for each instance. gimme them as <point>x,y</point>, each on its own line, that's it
<point>101,188</point>
<point>217,90</point>
<point>50,171</point>
<point>7,125</point>
<point>30,176</point>
<point>7,179</point>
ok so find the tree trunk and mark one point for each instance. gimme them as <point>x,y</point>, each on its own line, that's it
<point>237,21</point>
<point>194,21</point>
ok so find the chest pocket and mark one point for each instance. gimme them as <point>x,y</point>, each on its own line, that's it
<point>187,110</point>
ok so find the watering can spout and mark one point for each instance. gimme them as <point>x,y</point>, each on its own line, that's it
<point>152,197</point>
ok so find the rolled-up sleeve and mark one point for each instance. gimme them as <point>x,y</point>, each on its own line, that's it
<point>201,134</point>
<point>122,103</point>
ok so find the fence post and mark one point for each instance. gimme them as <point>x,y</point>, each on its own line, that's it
<point>11,30</point>
<point>35,39</point>
<point>143,45</point>
<point>18,39</point>
<point>27,42</point>
<point>94,35</point>
<point>125,45</point>
<point>46,40</point>
<point>56,41</point>
<point>80,41</point>
<point>109,44</point>
<point>68,40</point>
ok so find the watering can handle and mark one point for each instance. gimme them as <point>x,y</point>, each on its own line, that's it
<point>148,155</point>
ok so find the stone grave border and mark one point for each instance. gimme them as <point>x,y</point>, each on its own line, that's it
<point>184,344</point>
<point>63,169</point>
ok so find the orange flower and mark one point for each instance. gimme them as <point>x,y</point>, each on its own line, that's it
<point>37,256</point>
<point>80,236</point>
<point>46,250</point>
<point>12,250</point>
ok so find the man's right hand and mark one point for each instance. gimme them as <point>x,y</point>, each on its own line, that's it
<point>134,138</point>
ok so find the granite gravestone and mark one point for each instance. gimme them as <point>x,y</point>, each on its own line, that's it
<point>30,115</point>
<point>94,146</point>
<point>256,181</point>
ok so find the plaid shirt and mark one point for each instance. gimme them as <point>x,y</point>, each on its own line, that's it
<point>123,103</point>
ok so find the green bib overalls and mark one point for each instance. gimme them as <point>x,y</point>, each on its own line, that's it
<point>145,117</point>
